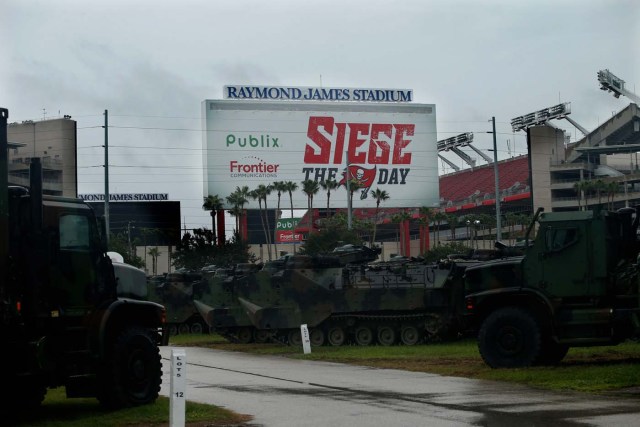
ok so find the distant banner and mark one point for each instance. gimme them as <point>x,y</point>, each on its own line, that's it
<point>305,93</point>
<point>126,197</point>
<point>284,231</point>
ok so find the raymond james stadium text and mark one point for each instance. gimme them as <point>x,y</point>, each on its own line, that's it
<point>318,94</point>
<point>125,197</point>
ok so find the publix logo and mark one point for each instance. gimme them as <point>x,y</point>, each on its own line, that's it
<point>251,141</point>
<point>253,167</point>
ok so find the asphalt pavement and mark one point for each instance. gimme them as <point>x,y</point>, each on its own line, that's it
<point>281,392</point>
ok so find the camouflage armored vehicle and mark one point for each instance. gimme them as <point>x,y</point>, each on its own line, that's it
<point>576,285</point>
<point>176,292</point>
<point>361,303</point>
<point>220,308</point>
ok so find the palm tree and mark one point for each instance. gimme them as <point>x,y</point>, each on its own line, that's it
<point>453,223</point>
<point>379,196</point>
<point>329,185</point>
<point>354,185</point>
<point>155,253</point>
<point>310,188</point>
<point>612,189</point>
<point>426,213</point>
<point>511,219</point>
<point>261,194</point>
<point>578,187</point>
<point>290,187</point>
<point>600,187</point>
<point>399,219</point>
<point>279,187</point>
<point>438,217</point>
<point>213,204</point>
<point>238,199</point>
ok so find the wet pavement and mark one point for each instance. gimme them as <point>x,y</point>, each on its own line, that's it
<point>284,392</point>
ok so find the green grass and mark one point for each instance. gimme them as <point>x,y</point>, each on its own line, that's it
<point>588,369</point>
<point>58,411</point>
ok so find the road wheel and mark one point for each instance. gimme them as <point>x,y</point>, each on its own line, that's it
<point>196,328</point>
<point>409,335</point>
<point>363,335</point>
<point>183,328</point>
<point>244,335</point>
<point>386,335</point>
<point>551,353</point>
<point>509,338</point>
<point>316,337</point>
<point>336,336</point>
<point>261,336</point>
<point>132,371</point>
<point>294,337</point>
<point>173,330</point>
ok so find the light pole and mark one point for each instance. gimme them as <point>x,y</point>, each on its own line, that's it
<point>497,182</point>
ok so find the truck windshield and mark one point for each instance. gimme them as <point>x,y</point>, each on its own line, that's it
<point>74,232</point>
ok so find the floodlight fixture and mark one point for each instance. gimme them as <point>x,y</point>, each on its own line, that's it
<point>461,140</point>
<point>541,117</point>
<point>611,83</point>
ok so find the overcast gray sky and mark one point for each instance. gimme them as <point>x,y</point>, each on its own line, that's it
<point>151,63</point>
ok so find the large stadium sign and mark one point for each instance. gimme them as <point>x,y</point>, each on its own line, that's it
<point>387,146</point>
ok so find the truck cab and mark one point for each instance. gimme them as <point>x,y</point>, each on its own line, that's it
<point>576,285</point>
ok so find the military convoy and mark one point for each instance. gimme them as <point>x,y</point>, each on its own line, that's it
<point>62,322</point>
<point>343,298</point>
<point>574,284</point>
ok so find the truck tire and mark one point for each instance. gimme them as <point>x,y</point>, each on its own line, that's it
<point>551,353</point>
<point>509,338</point>
<point>132,374</point>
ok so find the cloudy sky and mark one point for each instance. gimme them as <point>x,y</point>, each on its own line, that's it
<point>152,63</point>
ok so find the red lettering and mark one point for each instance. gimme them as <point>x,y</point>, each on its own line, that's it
<point>377,144</point>
<point>398,157</point>
<point>380,136</point>
<point>313,132</point>
<point>355,129</point>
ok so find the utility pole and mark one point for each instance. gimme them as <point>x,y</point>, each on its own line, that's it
<point>106,173</point>
<point>349,213</point>
<point>497,180</point>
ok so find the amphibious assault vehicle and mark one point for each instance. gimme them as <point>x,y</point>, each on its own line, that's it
<point>343,298</point>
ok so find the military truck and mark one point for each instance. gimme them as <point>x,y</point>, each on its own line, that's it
<point>575,285</point>
<point>61,320</point>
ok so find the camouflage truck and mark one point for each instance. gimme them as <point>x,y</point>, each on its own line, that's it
<point>359,303</point>
<point>176,292</point>
<point>575,285</point>
<point>61,320</point>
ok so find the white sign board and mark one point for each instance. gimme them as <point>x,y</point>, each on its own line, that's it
<point>177,402</point>
<point>391,147</point>
<point>306,340</point>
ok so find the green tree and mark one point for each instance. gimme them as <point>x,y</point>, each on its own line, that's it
<point>399,219</point>
<point>213,204</point>
<point>279,187</point>
<point>238,199</point>
<point>310,188</point>
<point>438,218</point>
<point>333,233</point>
<point>261,193</point>
<point>154,253</point>
<point>327,186</point>
<point>197,249</point>
<point>379,196</point>
<point>120,243</point>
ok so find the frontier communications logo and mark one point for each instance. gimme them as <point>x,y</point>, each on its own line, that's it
<point>252,167</point>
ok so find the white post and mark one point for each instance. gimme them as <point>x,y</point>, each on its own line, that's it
<point>178,384</point>
<point>306,342</point>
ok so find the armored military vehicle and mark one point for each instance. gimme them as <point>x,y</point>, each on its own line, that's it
<point>344,299</point>
<point>61,320</point>
<point>576,285</point>
<point>176,292</point>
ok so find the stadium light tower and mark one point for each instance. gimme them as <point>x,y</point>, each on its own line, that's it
<point>610,82</point>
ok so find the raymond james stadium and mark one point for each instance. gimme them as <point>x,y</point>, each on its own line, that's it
<point>387,142</point>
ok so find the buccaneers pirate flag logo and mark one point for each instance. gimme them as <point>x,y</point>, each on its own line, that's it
<point>363,176</point>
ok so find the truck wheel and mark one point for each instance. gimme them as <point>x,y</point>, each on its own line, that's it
<point>551,353</point>
<point>509,338</point>
<point>132,372</point>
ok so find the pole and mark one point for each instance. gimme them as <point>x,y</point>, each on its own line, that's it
<point>106,173</point>
<point>497,179</point>
<point>4,194</point>
<point>349,213</point>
